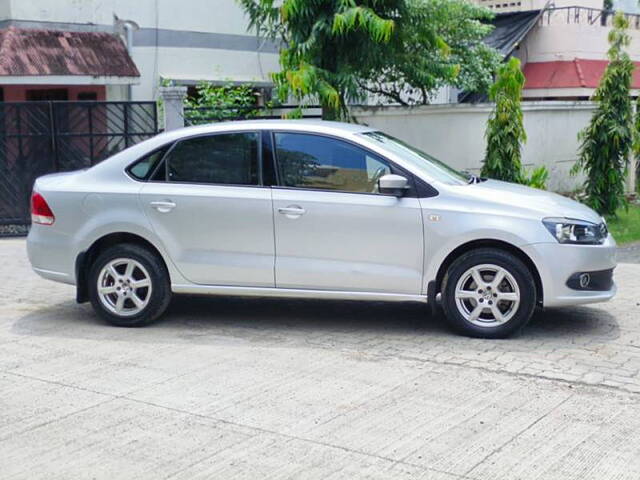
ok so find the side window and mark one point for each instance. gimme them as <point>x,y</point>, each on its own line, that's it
<point>227,158</point>
<point>146,165</point>
<point>313,161</point>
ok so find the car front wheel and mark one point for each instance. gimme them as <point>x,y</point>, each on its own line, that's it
<point>488,293</point>
<point>129,286</point>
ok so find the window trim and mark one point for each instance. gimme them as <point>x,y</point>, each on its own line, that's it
<point>165,164</point>
<point>413,180</point>
<point>269,158</point>
<point>266,145</point>
<point>161,165</point>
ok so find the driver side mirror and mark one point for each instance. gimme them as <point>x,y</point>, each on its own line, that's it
<point>391,184</point>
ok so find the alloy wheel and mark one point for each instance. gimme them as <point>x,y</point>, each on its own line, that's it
<point>124,287</point>
<point>487,295</point>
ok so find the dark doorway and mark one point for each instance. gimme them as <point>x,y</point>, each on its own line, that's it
<point>47,94</point>
<point>87,96</point>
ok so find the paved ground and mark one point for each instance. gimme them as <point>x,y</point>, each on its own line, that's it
<point>629,253</point>
<point>231,388</point>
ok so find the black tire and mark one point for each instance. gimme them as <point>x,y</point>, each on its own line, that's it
<point>518,271</point>
<point>160,287</point>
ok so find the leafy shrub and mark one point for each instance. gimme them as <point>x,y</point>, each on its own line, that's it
<point>220,102</point>
<point>538,178</point>
<point>505,129</point>
<point>607,141</point>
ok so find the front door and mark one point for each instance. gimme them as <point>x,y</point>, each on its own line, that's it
<point>333,230</point>
<point>206,204</point>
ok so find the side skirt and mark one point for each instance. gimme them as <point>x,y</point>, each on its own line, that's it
<point>295,293</point>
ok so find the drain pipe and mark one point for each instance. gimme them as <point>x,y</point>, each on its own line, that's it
<point>129,27</point>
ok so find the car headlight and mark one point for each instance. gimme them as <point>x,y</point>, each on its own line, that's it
<point>581,232</point>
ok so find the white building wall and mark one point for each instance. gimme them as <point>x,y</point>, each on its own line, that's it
<point>455,134</point>
<point>5,10</point>
<point>188,41</point>
<point>500,6</point>
<point>560,41</point>
<point>117,93</point>
<point>187,65</point>
<point>222,16</point>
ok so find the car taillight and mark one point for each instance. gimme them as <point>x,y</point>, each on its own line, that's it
<point>40,211</point>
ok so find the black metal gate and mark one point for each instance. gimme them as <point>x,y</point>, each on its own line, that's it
<point>44,137</point>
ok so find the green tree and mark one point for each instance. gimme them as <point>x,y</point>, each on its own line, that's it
<point>438,43</point>
<point>505,132</point>
<point>335,51</point>
<point>608,139</point>
<point>636,145</point>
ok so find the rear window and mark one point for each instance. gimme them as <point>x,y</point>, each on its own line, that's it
<point>144,167</point>
<point>223,159</point>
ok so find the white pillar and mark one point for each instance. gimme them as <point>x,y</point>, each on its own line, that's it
<point>632,174</point>
<point>173,99</point>
<point>632,164</point>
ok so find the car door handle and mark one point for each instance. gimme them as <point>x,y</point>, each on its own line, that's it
<point>163,206</point>
<point>292,210</point>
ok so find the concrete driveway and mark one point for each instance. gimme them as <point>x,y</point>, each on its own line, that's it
<point>233,388</point>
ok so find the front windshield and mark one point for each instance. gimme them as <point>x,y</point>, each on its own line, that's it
<point>432,167</point>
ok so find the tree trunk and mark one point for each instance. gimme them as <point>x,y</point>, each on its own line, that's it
<point>328,113</point>
<point>332,114</point>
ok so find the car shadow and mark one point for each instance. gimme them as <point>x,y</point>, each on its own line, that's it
<point>573,323</point>
<point>303,313</point>
<point>200,318</point>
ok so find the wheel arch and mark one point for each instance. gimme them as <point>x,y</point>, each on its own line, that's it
<point>86,258</point>
<point>491,243</point>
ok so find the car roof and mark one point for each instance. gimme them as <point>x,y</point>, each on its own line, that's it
<point>306,125</point>
<point>301,123</point>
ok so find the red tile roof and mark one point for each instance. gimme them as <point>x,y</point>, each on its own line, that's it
<point>25,52</point>
<point>578,73</point>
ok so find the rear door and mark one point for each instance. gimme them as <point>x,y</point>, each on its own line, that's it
<point>207,204</point>
<point>333,230</point>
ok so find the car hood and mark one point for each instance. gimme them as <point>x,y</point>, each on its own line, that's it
<point>529,201</point>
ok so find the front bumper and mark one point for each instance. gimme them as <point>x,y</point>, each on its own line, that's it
<point>557,263</point>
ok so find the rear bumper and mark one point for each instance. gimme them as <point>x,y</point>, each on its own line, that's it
<point>558,263</point>
<point>50,254</point>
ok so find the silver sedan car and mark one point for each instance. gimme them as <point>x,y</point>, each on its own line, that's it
<point>312,209</point>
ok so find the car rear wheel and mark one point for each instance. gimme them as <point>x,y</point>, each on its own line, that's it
<point>129,286</point>
<point>488,293</point>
